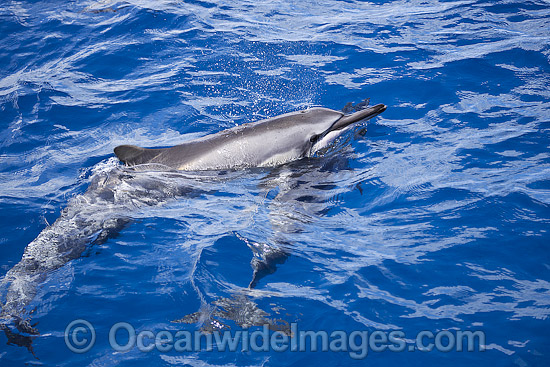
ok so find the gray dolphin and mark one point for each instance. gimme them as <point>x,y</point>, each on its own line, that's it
<point>264,143</point>
<point>115,193</point>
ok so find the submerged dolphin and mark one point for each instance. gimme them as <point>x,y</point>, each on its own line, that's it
<point>264,143</point>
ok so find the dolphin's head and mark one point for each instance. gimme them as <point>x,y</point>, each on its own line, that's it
<point>325,125</point>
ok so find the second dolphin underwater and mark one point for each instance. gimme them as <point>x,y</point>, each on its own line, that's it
<point>107,205</point>
<point>264,143</point>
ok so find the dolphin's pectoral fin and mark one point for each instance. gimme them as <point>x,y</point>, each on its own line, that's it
<point>265,260</point>
<point>132,155</point>
<point>267,265</point>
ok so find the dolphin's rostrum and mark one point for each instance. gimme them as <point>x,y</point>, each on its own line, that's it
<point>264,143</point>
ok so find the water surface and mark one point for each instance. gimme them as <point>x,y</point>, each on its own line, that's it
<point>434,218</point>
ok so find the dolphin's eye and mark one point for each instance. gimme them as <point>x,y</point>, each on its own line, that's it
<point>314,138</point>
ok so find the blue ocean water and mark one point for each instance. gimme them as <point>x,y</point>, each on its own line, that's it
<point>432,217</point>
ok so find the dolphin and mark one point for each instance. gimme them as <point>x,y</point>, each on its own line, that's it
<point>265,143</point>
<point>115,192</point>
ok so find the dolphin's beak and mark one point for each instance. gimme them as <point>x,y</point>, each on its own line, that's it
<point>365,114</point>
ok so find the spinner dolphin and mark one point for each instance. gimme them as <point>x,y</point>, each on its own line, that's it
<point>264,143</point>
<point>115,192</point>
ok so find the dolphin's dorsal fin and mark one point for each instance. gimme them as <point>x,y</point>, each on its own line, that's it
<point>132,155</point>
